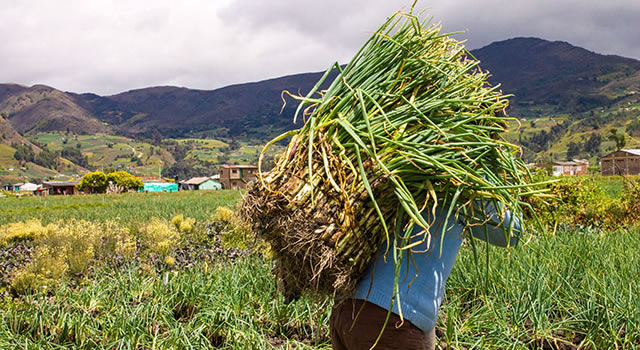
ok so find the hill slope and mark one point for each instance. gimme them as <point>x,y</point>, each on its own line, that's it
<point>563,94</point>
<point>42,108</point>
<point>8,135</point>
<point>557,75</point>
<point>252,108</point>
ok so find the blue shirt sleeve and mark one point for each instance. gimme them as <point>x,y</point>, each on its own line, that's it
<point>486,224</point>
<point>423,275</point>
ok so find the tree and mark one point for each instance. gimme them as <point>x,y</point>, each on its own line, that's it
<point>95,182</point>
<point>24,153</point>
<point>120,181</point>
<point>592,144</point>
<point>633,128</point>
<point>573,149</point>
<point>184,169</point>
<point>618,138</point>
<point>75,155</point>
<point>46,159</point>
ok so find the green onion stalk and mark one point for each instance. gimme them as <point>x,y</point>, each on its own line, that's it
<point>409,124</point>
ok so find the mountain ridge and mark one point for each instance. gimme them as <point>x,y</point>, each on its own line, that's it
<point>556,74</point>
<point>585,90</point>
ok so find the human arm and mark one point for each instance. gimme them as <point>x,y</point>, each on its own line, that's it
<point>485,223</point>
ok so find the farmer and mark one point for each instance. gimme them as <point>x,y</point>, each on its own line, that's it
<point>420,297</point>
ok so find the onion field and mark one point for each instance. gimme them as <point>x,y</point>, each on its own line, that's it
<point>569,287</point>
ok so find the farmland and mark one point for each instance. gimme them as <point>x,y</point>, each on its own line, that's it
<point>103,150</point>
<point>564,129</point>
<point>221,151</point>
<point>142,157</point>
<point>568,288</point>
<point>125,208</point>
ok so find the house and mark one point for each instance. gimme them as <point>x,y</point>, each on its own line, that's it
<point>159,187</point>
<point>57,187</point>
<point>621,162</point>
<point>237,176</point>
<point>12,187</point>
<point>29,187</point>
<point>574,167</point>
<point>201,183</point>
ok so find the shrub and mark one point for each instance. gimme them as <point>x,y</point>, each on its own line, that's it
<point>582,201</point>
<point>116,242</point>
<point>183,224</point>
<point>177,220</point>
<point>67,249</point>
<point>630,198</point>
<point>159,237</point>
<point>76,240</point>
<point>187,225</point>
<point>45,271</point>
<point>234,231</point>
<point>21,231</point>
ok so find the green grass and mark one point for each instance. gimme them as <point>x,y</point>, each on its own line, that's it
<point>20,173</point>
<point>579,286</point>
<point>211,149</point>
<point>6,156</point>
<point>210,143</point>
<point>225,306</point>
<point>611,185</point>
<point>126,207</point>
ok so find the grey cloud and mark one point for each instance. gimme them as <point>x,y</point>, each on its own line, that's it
<point>109,46</point>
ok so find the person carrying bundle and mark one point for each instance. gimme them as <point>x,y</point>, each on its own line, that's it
<point>363,320</point>
<point>396,158</point>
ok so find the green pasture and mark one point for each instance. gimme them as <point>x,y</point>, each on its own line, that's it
<point>208,143</point>
<point>28,172</point>
<point>6,156</point>
<point>527,125</point>
<point>18,172</point>
<point>126,208</point>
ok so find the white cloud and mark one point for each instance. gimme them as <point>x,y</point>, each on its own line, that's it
<point>111,46</point>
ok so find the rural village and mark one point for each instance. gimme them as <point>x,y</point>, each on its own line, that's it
<point>230,177</point>
<point>619,163</point>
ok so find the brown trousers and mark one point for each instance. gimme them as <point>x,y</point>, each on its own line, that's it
<point>362,334</point>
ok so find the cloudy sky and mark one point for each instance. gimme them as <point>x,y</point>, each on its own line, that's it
<point>108,47</point>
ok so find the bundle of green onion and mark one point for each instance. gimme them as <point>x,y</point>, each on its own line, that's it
<point>408,125</point>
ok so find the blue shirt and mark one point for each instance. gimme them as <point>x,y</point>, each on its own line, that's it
<point>421,291</point>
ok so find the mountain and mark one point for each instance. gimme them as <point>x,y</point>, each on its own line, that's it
<point>42,108</point>
<point>557,75</point>
<point>8,135</point>
<point>37,166</point>
<point>545,77</point>
<point>241,109</point>
<point>571,98</point>
<point>566,99</point>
